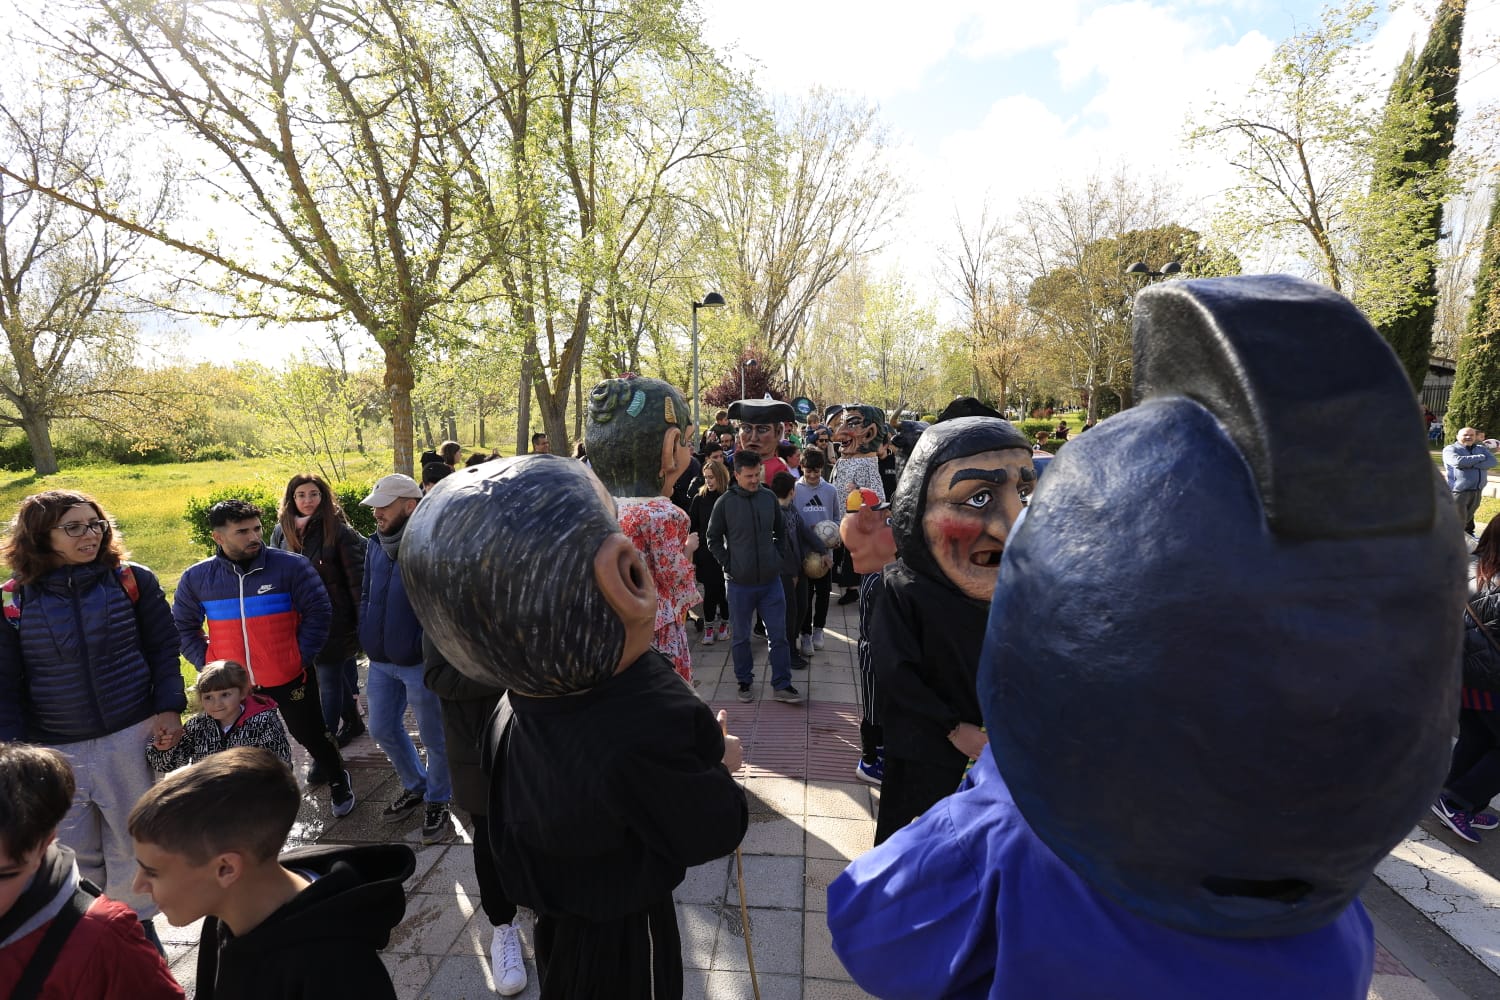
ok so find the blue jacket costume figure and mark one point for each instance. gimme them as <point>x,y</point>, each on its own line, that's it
<point>1175,843</point>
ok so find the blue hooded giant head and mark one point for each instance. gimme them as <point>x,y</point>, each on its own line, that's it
<point>1221,668</point>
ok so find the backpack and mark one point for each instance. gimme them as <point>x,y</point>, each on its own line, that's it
<point>11,591</point>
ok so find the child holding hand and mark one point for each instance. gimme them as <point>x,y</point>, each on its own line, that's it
<point>232,716</point>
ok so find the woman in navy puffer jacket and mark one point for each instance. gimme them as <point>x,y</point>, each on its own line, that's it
<point>88,666</point>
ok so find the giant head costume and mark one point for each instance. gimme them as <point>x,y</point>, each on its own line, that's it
<point>763,424</point>
<point>859,428</point>
<point>636,434</point>
<point>519,573</point>
<point>1221,668</point>
<point>959,494</point>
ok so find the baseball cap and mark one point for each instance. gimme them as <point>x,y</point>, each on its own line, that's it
<point>389,489</point>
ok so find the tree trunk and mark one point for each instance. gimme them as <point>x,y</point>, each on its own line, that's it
<point>399,381</point>
<point>523,398</point>
<point>39,433</point>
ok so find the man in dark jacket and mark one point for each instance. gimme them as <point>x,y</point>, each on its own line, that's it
<point>268,610</point>
<point>745,533</point>
<point>392,637</point>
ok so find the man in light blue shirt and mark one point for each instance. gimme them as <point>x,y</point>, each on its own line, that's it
<point>1465,462</point>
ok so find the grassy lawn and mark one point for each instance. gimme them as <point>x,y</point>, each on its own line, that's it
<point>147,501</point>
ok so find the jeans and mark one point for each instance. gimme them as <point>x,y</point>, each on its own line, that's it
<point>766,598</point>
<point>388,689</point>
<point>1467,502</point>
<point>1474,777</point>
<point>337,683</point>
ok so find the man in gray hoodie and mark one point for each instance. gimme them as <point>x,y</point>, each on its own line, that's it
<point>746,533</point>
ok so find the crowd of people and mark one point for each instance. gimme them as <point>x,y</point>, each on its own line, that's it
<point>537,616</point>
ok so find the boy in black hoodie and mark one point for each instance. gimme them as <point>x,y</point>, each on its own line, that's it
<point>306,924</point>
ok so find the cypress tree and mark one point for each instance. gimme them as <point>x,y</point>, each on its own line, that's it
<point>1410,178</point>
<point>1476,384</point>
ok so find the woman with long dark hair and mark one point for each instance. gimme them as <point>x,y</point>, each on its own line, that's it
<point>89,667</point>
<point>312,523</point>
<point>1474,776</point>
<point>710,573</point>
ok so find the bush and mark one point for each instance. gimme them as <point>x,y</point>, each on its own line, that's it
<point>267,496</point>
<point>1031,428</point>
<point>216,453</point>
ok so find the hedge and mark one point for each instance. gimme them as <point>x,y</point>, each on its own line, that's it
<point>267,496</point>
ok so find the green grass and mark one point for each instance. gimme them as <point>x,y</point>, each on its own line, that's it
<point>147,501</point>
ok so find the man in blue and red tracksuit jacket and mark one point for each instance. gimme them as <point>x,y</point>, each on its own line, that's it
<point>266,609</point>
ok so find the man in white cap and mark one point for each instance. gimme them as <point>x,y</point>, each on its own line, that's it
<point>392,637</point>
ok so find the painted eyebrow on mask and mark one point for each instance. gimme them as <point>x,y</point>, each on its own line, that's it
<point>997,476</point>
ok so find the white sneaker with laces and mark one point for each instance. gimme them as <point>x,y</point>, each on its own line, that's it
<point>506,961</point>
<point>807,645</point>
<point>817,638</point>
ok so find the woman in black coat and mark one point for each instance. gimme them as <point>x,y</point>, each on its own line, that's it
<point>313,524</point>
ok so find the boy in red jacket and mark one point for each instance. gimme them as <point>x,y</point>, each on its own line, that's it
<point>60,939</point>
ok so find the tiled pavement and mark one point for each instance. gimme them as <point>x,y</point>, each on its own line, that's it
<point>809,817</point>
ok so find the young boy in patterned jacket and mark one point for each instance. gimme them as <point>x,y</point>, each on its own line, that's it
<point>232,717</point>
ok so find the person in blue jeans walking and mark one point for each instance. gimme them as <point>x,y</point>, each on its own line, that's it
<point>392,637</point>
<point>746,533</point>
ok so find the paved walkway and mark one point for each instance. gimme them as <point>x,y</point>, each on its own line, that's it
<point>809,817</point>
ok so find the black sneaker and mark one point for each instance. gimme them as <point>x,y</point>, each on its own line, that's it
<point>341,790</point>
<point>800,663</point>
<point>788,695</point>
<point>744,693</point>
<point>849,597</point>
<point>403,803</point>
<point>316,775</point>
<point>435,825</point>
<point>350,732</point>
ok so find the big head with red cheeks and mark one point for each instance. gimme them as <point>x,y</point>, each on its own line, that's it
<point>959,495</point>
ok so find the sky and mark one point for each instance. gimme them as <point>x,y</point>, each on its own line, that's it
<point>988,101</point>
<point>992,101</point>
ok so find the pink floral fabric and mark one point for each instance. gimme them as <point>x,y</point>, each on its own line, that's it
<point>659,528</point>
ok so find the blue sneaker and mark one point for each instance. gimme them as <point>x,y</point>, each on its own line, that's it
<point>1455,819</point>
<point>872,773</point>
<point>1484,821</point>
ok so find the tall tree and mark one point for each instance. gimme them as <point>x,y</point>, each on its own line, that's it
<point>1300,139</point>
<point>335,133</point>
<point>810,197</point>
<point>1409,184</point>
<point>69,283</point>
<point>981,282</point>
<point>1475,401</point>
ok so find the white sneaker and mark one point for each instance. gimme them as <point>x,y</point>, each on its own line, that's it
<point>807,645</point>
<point>817,638</point>
<point>708,634</point>
<point>507,962</point>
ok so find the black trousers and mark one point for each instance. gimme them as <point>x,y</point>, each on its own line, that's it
<point>816,615</point>
<point>715,596</point>
<point>794,588</point>
<point>1474,777</point>
<point>300,709</point>
<point>619,959</point>
<point>498,907</point>
<point>910,788</point>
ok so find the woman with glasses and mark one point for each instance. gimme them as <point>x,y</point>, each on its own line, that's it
<point>89,667</point>
<point>313,524</point>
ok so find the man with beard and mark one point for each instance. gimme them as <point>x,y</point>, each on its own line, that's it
<point>959,495</point>
<point>392,637</point>
<point>268,610</point>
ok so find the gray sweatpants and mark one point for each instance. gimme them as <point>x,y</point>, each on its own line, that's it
<point>112,773</point>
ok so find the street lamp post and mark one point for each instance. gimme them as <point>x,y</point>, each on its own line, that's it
<point>1140,267</point>
<point>709,300</point>
<point>749,363</point>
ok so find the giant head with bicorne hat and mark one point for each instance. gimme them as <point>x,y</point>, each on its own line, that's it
<point>763,423</point>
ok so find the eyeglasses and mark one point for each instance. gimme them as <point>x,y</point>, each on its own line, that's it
<point>77,529</point>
